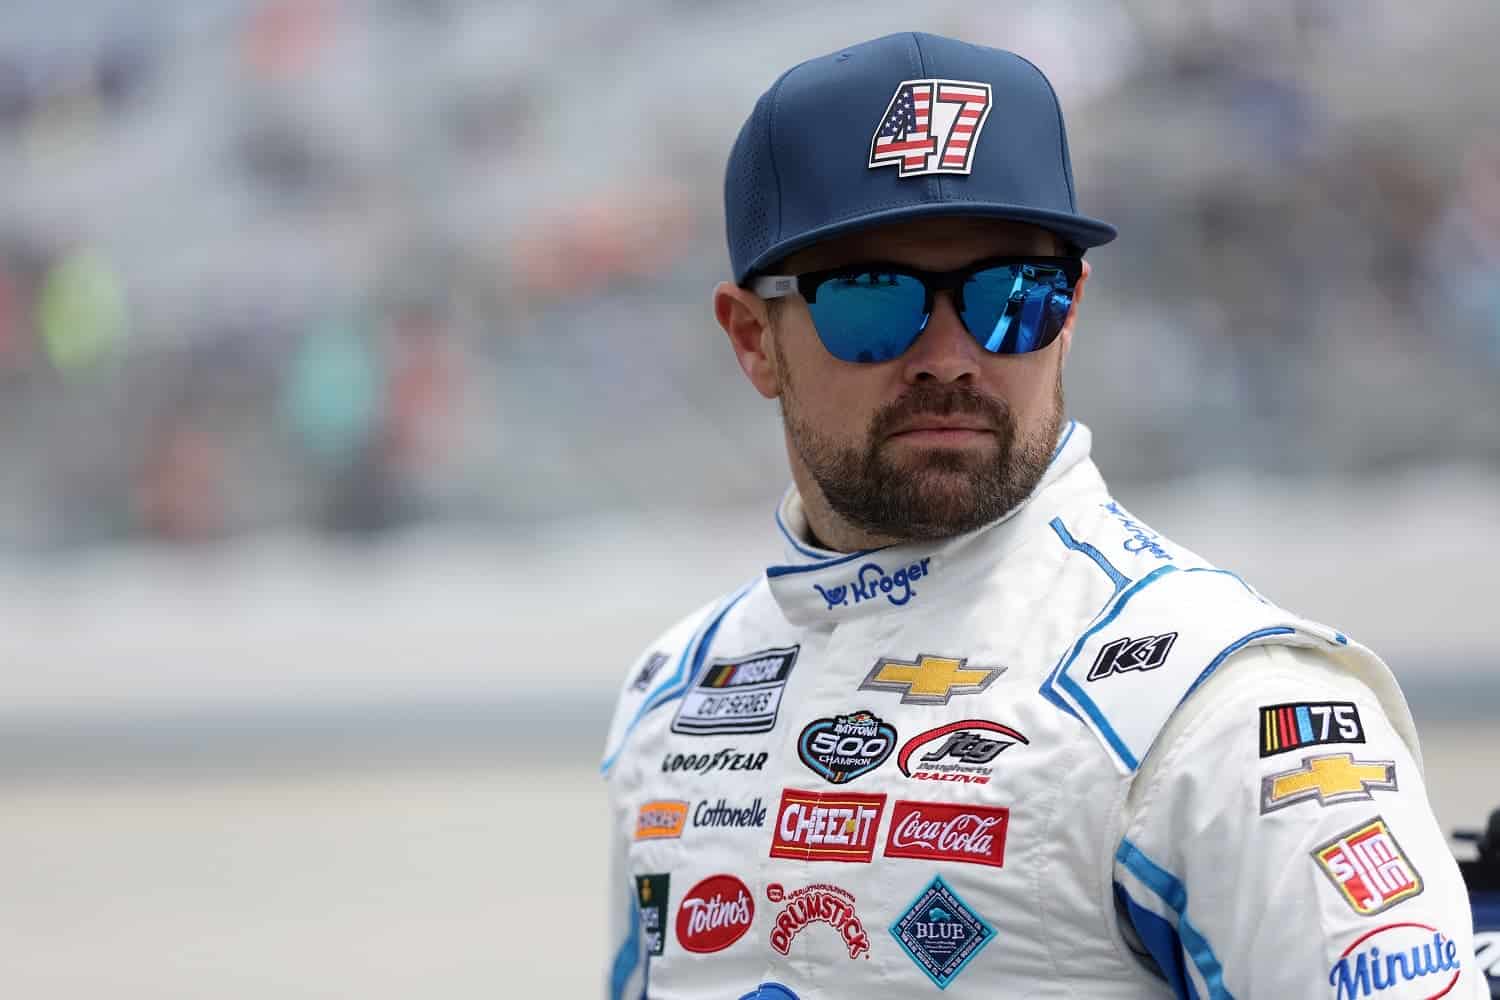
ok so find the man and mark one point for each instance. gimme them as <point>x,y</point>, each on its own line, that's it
<point>984,731</point>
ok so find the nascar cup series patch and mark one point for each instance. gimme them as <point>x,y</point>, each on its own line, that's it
<point>742,695</point>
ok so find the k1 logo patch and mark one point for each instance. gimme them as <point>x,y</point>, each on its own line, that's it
<point>941,933</point>
<point>1126,654</point>
<point>843,747</point>
<point>651,895</point>
<point>1307,724</point>
<point>1369,868</point>
<point>742,695</point>
<point>1327,779</point>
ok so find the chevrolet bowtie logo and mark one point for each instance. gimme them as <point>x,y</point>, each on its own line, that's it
<point>930,680</point>
<point>1331,778</point>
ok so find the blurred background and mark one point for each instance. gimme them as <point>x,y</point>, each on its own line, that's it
<point>362,416</point>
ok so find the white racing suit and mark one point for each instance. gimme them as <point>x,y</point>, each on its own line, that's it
<point>1059,756</point>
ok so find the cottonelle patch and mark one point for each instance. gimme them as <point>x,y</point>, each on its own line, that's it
<point>714,914</point>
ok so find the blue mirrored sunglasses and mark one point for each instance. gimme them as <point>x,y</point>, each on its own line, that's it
<point>868,313</point>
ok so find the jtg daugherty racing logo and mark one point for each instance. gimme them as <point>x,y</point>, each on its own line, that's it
<point>816,903</point>
<point>873,581</point>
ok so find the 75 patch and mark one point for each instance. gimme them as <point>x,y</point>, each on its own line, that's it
<point>1301,724</point>
<point>1369,868</point>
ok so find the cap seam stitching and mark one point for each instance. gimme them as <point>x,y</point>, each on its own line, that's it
<point>921,70</point>
<point>1062,137</point>
<point>771,150</point>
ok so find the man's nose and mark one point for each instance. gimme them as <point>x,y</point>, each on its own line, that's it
<point>944,352</point>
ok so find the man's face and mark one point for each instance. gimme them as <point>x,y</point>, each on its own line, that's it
<point>941,440</point>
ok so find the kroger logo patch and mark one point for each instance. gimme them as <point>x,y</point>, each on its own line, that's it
<point>742,695</point>
<point>941,933</point>
<point>872,581</point>
<point>1404,961</point>
<point>1142,540</point>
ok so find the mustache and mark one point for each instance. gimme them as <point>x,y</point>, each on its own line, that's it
<point>940,401</point>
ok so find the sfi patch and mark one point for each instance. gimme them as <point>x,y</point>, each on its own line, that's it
<point>1371,871</point>
<point>1301,724</point>
<point>941,932</point>
<point>651,896</point>
<point>840,748</point>
<point>742,695</point>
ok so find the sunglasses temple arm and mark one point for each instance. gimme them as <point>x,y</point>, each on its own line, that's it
<point>997,336</point>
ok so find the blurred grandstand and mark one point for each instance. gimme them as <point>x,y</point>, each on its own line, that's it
<point>356,357</point>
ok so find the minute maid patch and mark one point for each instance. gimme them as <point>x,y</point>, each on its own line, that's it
<point>1308,724</point>
<point>941,933</point>
<point>742,695</point>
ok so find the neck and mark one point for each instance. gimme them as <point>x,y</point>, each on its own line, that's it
<point>829,529</point>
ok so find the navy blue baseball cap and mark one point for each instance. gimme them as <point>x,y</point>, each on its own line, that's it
<point>901,127</point>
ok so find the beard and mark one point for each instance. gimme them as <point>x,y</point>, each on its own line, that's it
<point>938,492</point>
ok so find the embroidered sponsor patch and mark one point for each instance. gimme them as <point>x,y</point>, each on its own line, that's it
<point>959,751</point>
<point>651,895</point>
<point>662,819</point>
<point>841,748</point>
<point>724,814</point>
<point>714,914</point>
<point>1369,868</point>
<point>1404,961</point>
<point>709,763</point>
<point>1307,724</point>
<point>816,903</point>
<point>1328,779</point>
<point>931,127</point>
<point>648,671</point>
<point>770,991</point>
<point>941,932</point>
<point>742,695</point>
<point>1126,654</point>
<point>943,831</point>
<point>871,581</point>
<point>1142,540</point>
<point>928,680</point>
<point>826,826</point>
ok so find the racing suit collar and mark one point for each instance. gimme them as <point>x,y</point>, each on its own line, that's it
<point>817,586</point>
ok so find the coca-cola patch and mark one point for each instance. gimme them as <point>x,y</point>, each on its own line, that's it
<point>941,932</point>
<point>714,914</point>
<point>944,831</point>
<point>816,903</point>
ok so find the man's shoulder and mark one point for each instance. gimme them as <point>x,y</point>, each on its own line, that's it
<point>666,666</point>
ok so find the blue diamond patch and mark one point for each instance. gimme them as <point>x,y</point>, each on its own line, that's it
<point>941,933</point>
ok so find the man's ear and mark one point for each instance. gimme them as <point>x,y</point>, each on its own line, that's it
<point>1066,335</point>
<point>745,319</point>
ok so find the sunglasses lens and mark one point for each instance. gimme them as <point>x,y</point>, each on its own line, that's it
<point>1016,308</point>
<point>869,317</point>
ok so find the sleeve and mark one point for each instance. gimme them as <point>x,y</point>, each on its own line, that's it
<point>626,974</point>
<point>1278,843</point>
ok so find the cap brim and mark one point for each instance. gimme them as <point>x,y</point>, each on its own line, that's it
<point>1079,230</point>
